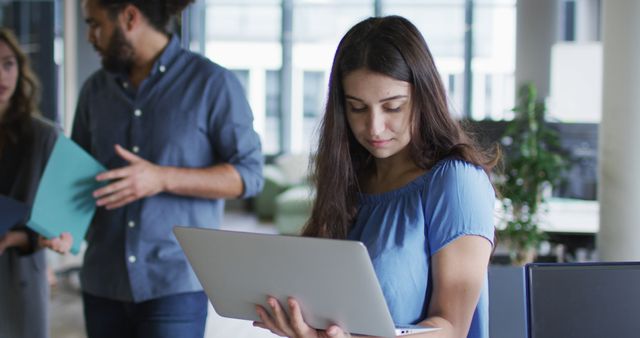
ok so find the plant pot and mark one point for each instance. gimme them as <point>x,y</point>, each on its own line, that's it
<point>522,256</point>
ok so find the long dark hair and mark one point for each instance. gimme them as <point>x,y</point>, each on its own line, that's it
<point>394,47</point>
<point>159,13</point>
<point>15,125</point>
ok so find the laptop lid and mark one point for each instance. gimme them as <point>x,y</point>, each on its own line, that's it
<point>333,280</point>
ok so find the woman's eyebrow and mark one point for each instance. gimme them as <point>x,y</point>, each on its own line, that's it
<point>395,97</point>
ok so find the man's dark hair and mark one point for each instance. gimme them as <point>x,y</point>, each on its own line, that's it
<point>159,13</point>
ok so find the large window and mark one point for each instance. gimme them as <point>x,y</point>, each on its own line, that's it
<point>245,35</point>
<point>493,64</point>
<point>38,27</point>
<point>313,102</point>
<point>314,44</point>
<point>271,141</point>
<point>442,24</point>
<point>248,35</point>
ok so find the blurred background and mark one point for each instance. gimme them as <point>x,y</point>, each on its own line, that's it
<point>572,51</point>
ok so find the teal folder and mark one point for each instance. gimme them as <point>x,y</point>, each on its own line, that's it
<point>64,200</point>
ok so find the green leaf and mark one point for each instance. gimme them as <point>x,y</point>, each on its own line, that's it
<point>531,161</point>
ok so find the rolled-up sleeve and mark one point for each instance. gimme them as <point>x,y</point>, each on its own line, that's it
<point>232,133</point>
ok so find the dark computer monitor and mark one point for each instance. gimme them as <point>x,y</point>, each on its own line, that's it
<point>584,300</point>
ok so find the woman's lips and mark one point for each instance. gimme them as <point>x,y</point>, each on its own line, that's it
<point>379,143</point>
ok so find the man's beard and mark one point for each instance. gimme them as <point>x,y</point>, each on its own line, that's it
<point>118,55</point>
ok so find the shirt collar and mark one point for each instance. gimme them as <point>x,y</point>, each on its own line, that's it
<point>166,58</point>
<point>168,55</point>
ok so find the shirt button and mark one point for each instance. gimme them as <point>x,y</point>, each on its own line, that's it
<point>162,68</point>
<point>132,224</point>
<point>135,149</point>
<point>126,85</point>
<point>132,259</point>
<point>137,112</point>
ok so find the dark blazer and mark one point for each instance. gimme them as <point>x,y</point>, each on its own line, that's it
<point>24,291</point>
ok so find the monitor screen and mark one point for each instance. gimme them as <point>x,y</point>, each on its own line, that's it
<point>583,300</point>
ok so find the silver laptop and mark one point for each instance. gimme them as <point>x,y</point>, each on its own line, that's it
<point>333,280</point>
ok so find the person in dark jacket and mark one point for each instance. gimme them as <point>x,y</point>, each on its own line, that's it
<point>26,141</point>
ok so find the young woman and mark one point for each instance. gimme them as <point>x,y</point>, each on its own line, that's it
<point>395,171</point>
<point>25,144</point>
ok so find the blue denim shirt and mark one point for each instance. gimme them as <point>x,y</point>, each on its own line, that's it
<point>189,112</point>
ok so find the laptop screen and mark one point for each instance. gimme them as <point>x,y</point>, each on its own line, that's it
<point>583,300</point>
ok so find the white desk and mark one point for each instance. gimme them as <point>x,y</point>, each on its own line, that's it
<point>565,215</point>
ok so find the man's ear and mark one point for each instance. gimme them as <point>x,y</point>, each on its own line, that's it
<point>130,17</point>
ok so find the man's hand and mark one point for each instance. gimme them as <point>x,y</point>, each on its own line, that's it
<point>139,179</point>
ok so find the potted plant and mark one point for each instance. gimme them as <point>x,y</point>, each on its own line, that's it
<point>532,165</point>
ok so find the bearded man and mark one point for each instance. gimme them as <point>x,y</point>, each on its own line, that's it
<point>176,134</point>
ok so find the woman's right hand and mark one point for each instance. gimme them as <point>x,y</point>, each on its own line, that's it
<point>12,239</point>
<point>293,326</point>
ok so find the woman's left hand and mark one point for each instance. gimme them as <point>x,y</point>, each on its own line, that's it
<point>61,244</point>
<point>294,326</point>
